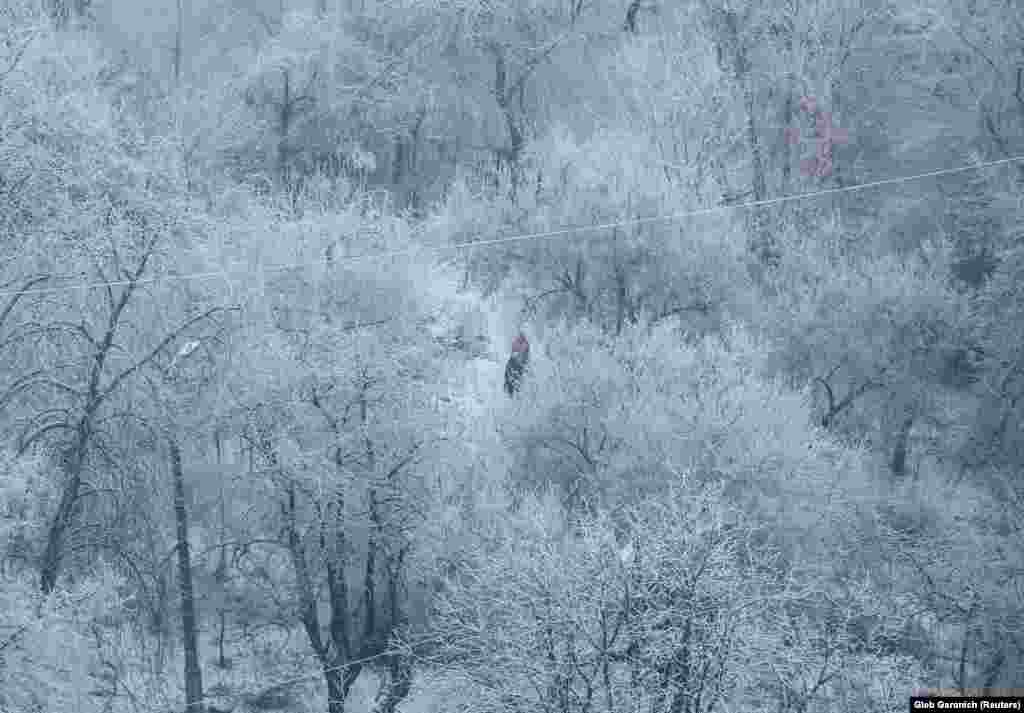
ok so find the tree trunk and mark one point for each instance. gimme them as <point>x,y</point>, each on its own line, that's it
<point>620,300</point>
<point>898,465</point>
<point>412,163</point>
<point>504,95</point>
<point>221,574</point>
<point>222,628</point>
<point>398,166</point>
<point>399,666</point>
<point>631,12</point>
<point>339,679</point>
<point>398,686</point>
<point>284,123</point>
<point>763,244</point>
<point>55,540</point>
<point>189,623</point>
<point>74,463</point>
<point>335,655</point>
<point>733,58</point>
<point>158,619</point>
<point>836,99</point>
<point>787,149</point>
<point>178,42</point>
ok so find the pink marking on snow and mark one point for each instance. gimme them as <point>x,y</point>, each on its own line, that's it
<point>828,135</point>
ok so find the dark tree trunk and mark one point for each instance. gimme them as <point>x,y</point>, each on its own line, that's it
<point>898,466</point>
<point>189,622</point>
<point>55,540</point>
<point>399,682</point>
<point>504,95</point>
<point>837,173</point>
<point>764,245</point>
<point>787,150</point>
<point>221,573</point>
<point>74,463</point>
<point>339,680</point>
<point>397,687</point>
<point>178,49</point>
<point>734,59</point>
<point>398,165</point>
<point>621,299</point>
<point>284,124</point>
<point>631,12</point>
<point>337,653</point>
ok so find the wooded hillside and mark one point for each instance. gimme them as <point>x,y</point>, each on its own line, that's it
<point>510,356</point>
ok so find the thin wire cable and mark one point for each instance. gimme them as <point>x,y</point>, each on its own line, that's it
<point>561,232</point>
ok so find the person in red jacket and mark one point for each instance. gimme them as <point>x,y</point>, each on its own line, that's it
<point>516,364</point>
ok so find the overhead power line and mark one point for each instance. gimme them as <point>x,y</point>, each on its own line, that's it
<point>526,237</point>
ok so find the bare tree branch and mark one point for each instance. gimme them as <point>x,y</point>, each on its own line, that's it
<point>28,285</point>
<point>153,353</point>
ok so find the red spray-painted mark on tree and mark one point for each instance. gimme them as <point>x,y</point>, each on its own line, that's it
<point>827,136</point>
